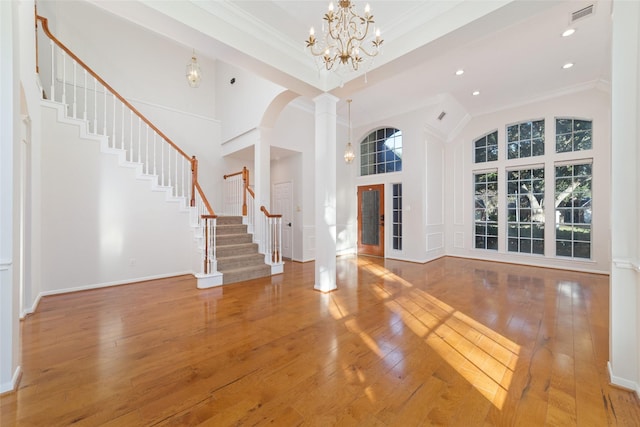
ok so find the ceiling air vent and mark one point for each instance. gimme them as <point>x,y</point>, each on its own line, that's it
<point>582,13</point>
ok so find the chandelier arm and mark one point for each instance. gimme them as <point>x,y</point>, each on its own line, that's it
<point>371,54</point>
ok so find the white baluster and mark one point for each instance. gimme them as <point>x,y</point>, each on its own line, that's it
<point>162,162</point>
<point>169,166</point>
<point>122,130</point>
<point>75,97</point>
<point>184,178</point>
<point>175,189</point>
<point>84,115</point>
<point>213,238</point>
<point>53,70</point>
<point>95,106</point>
<point>154,153</point>
<point>104,127</point>
<point>130,136</point>
<point>139,137</point>
<point>279,240</point>
<point>64,80</point>
<point>146,161</point>
<point>113,125</point>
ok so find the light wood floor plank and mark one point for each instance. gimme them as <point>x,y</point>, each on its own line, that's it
<point>451,342</point>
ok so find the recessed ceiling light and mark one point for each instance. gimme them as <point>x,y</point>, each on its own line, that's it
<point>476,93</point>
<point>460,72</point>
<point>567,65</point>
<point>568,32</point>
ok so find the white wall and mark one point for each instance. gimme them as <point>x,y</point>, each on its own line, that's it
<point>101,225</point>
<point>200,137</point>
<point>295,131</point>
<point>589,104</point>
<point>137,63</point>
<point>421,179</point>
<point>241,105</point>
<point>289,169</point>
<point>148,70</point>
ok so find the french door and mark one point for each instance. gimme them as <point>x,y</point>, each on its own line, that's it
<point>371,220</point>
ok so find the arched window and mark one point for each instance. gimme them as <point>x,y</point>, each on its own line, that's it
<point>381,152</point>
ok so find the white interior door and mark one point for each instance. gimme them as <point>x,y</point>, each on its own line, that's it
<point>283,204</point>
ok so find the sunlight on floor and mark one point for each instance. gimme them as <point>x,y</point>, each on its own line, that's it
<point>483,357</point>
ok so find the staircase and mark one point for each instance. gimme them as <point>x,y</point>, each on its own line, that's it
<point>227,251</point>
<point>237,255</point>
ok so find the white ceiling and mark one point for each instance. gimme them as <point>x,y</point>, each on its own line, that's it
<point>511,51</point>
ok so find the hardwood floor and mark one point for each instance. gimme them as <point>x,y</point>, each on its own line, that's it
<point>452,342</point>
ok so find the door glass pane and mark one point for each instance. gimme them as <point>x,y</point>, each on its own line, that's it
<point>370,216</point>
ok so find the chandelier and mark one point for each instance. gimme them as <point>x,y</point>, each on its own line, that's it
<point>349,154</point>
<point>194,75</point>
<point>345,37</point>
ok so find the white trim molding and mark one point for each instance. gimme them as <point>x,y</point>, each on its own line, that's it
<point>13,384</point>
<point>621,382</point>
<point>626,264</point>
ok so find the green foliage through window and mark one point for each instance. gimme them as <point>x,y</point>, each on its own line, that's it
<point>573,135</point>
<point>486,148</point>
<point>381,152</point>
<point>525,211</point>
<point>486,210</point>
<point>573,210</point>
<point>525,139</point>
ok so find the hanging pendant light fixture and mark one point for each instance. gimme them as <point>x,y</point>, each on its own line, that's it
<point>349,154</point>
<point>194,75</point>
<point>346,37</point>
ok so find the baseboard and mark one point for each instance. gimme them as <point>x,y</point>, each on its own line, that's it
<point>109,284</point>
<point>33,308</point>
<point>621,382</point>
<point>12,385</point>
<point>206,281</point>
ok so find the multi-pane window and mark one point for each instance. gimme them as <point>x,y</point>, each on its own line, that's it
<point>486,210</point>
<point>486,148</point>
<point>573,135</point>
<point>397,217</point>
<point>525,139</point>
<point>525,210</point>
<point>381,152</point>
<point>573,210</point>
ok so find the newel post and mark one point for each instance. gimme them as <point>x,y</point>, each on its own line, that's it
<point>245,181</point>
<point>194,179</point>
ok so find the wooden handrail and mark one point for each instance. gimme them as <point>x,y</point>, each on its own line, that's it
<point>268,215</point>
<point>204,200</point>
<point>232,174</point>
<point>45,28</point>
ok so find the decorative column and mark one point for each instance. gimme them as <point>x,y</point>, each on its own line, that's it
<point>262,180</point>
<point>9,127</point>
<point>325,193</point>
<point>624,357</point>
